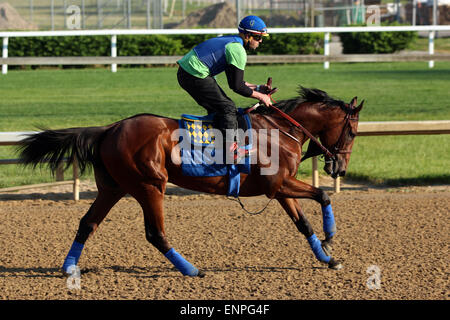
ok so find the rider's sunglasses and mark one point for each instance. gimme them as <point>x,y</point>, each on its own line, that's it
<point>257,37</point>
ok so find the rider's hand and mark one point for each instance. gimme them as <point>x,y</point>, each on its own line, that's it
<point>264,88</point>
<point>265,100</point>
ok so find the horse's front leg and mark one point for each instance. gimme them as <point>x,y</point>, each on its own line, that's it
<point>293,188</point>
<point>293,209</point>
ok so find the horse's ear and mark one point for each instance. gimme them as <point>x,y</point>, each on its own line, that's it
<point>353,102</point>
<point>358,108</point>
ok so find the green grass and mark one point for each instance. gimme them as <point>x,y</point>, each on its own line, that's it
<point>441,45</point>
<point>392,91</point>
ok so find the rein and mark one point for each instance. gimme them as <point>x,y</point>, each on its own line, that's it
<point>306,132</point>
<point>296,124</point>
<point>336,148</point>
<point>249,212</point>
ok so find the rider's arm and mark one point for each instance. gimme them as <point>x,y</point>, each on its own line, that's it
<point>235,77</point>
<point>236,59</point>
<point>251,85</point>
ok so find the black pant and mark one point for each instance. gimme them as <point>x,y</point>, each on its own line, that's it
<point>207,93</point>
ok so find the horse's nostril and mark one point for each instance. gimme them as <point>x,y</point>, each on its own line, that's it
<point>342,173</point>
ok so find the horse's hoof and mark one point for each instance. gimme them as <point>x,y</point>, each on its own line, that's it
<point>335,265</point>
<point>70,271</point>
<point>201,274</point>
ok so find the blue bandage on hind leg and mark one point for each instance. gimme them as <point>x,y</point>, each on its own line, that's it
<point>181,263</point>
<point>316,247</point>
<point>329,225</point>
<point>73,256</point>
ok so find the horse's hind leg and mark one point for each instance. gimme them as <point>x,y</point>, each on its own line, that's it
<point>293,209</point>
<point>108,195</point>
<point>151,197</point>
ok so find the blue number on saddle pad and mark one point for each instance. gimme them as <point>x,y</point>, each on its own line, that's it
<point>199,157</point>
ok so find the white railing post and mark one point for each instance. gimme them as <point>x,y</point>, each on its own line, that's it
<point>114,52</point>
<point>5,54</point>
<point>337,185</point>
<point>431,47</point>
<point>119,32</point>
<point>315,172</point>
<point>326,49</point>
<point>76,180</point>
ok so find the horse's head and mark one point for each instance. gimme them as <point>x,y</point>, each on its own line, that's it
<point>340,136</point>
<point>333,121</point>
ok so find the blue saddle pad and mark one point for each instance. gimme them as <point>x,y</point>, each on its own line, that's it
<point>199,157</point>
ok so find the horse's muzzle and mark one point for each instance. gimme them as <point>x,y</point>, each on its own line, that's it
<point>337,173</point>
<point>328,168</point>
<point>332,168</point>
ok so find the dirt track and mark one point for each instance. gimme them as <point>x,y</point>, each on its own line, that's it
<point>404,232</point>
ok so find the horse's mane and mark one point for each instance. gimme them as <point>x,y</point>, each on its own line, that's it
<point>305,95</point>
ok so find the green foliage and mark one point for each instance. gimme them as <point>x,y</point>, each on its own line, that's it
<point>59,46</point>
<point>189,41</point>
<point>150,45</point>
<point>376,42</point>
<point>300,43</point>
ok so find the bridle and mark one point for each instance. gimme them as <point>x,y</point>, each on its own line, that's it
<point>338,147</point>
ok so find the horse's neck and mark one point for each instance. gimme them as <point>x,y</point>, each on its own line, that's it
<point>310,117</point>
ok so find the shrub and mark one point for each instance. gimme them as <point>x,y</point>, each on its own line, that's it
<point>294,43</point>
<point>153,45</point>
<point>59,46</point>
<point>376,42</point>
<point>149,45</point>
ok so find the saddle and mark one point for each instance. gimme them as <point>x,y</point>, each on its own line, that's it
<point>201,158</point>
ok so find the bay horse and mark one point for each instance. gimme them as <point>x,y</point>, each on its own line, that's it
<point>133,156</point>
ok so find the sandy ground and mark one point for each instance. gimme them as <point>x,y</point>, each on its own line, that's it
<point>393,244</point>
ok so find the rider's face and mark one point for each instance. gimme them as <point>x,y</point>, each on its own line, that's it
<point>254,41</point>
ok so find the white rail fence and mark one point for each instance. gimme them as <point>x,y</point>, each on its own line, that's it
<point>124,32</point>
<point>364,129</point>
<point>14,138</point>
<point>383,128</point>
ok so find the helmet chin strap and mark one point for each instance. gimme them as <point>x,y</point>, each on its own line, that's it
<point>247,42</point>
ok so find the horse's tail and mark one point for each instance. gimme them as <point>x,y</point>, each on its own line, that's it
<point>55,146</point>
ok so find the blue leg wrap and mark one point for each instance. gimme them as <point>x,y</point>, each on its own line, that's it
<point>73,256</point>
<point>316,247</point>
<point>329,226</point>
<point>181,263</point>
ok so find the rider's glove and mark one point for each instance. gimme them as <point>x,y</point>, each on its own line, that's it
<point>263,88</point>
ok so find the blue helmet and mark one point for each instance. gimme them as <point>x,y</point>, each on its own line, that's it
<point>253,24</point>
